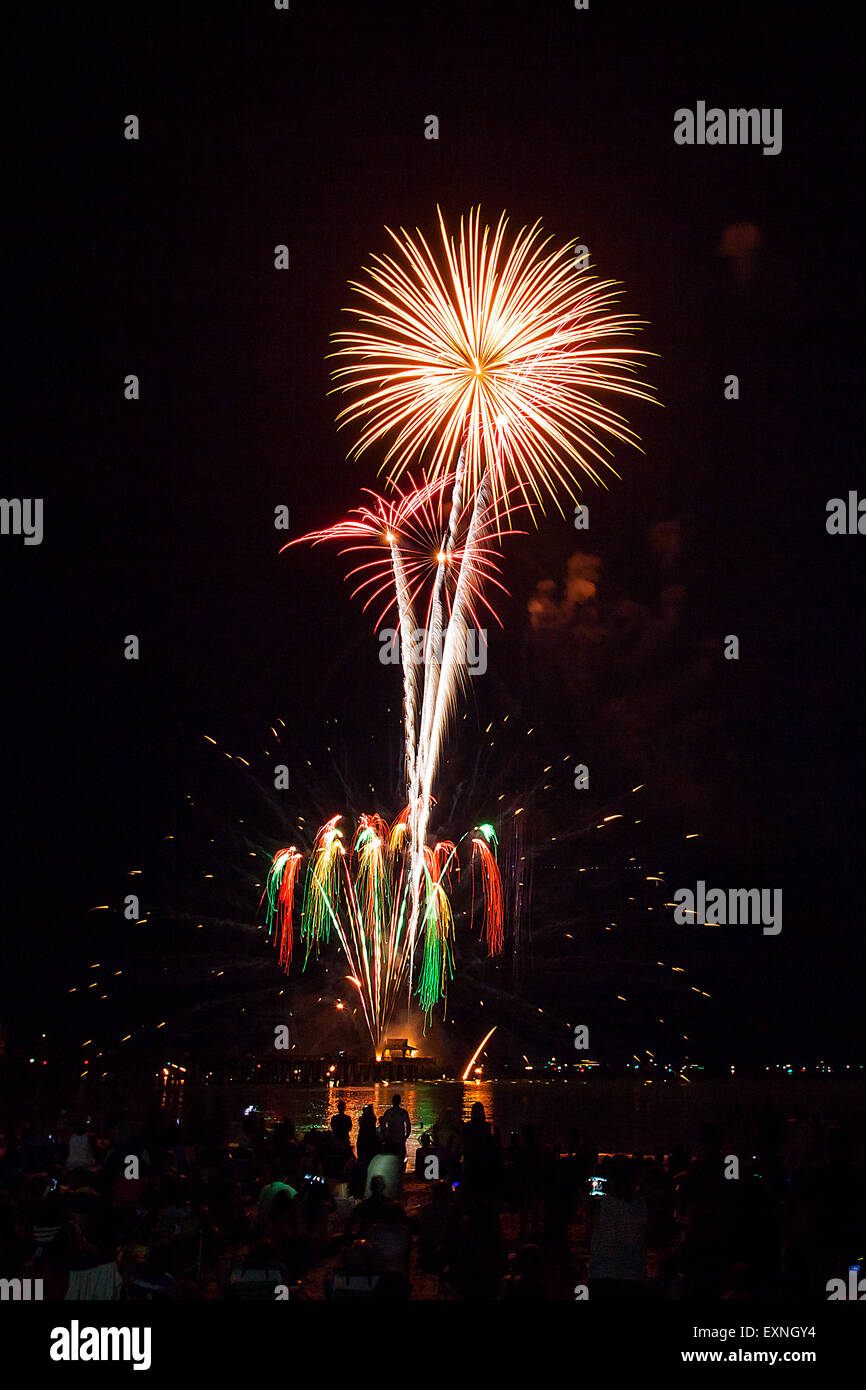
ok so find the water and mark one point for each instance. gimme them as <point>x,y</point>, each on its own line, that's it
<point>615,1114</point>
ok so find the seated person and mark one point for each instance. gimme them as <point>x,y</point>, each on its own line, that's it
<point>376,1210</point>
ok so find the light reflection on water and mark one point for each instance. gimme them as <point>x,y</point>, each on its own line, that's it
<point>312,1108</point>
<point>551,1107</point>
<point>615,1114</point>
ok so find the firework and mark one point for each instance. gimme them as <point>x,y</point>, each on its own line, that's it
<point>499,352</point>
<point>492,887</point>
<point>477,1053</point>
<point>499,349</point>
<point>417,569</point>
<point>405,535</point>
<point>280,893</point>
<point>361,894</point>
<point>404,538</point>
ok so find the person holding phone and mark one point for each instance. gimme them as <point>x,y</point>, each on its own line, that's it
<point>617,1251</point>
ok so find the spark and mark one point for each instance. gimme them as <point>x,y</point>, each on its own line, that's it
<point>476,1054</point>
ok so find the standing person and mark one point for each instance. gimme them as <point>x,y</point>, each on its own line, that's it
<point>341,1126</point>
<point>617,1252</point>
<point>368,1139</point>
<point>396,1128</point>
<point>480,1155</point>
<point>283,1138</point>
<point>80,1156</point>
<point>447,1144</point>
<point>367,1147</point>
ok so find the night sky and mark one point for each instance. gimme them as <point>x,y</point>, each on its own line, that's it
<point>156,257</point>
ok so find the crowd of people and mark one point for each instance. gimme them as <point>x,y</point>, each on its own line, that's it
<point>161,1210</point>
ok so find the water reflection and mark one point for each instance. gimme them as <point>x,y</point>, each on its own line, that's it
<point>507,1105</point>
<point>425,1101</point>
<point>614,1114</point>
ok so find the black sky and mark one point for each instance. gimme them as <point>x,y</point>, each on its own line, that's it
<point>155,257</point>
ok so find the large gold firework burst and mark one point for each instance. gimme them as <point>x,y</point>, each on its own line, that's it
<point>501,350</point>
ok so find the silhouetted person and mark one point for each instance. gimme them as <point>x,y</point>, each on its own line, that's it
<point>617,1259</point>
<point>437,1224</point>
<point>475,1264</point>
<point>447,1144</point>
<point>376,1210</point>
<point>341,1126</point>
<point>368,1139</point>
<point>80,1156</point>
<point>396,1128</point>
<point>283,1137</point>
<point>423,1152</point>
